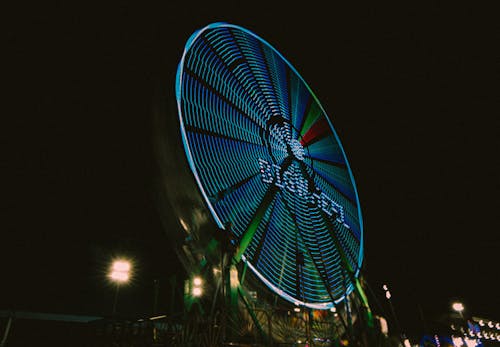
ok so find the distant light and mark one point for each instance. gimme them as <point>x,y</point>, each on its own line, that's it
<point>384,286</point>
<point>158,317</point>
<point>297,309</point>
<point>457,306</point>
<point>197,281</point>
<point>470,342</point>
<point>384,328</point>
<point>197,291</point>
<point>119,276</point>
<point>121,265</point>
<point>388,294</point>
<point>233,277</point>
<point>184,225</point>
<point>120,271</point>
<point>333,309</point>
<point>458,341</point>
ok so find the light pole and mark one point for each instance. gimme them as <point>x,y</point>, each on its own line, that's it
<point>396,321</point>
<point>197,290</point>
<point>457,306</point>
<point>119,274</point>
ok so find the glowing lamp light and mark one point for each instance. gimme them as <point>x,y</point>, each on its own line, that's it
<point>333,309</point>
<point>233,277</point>
<point>120,271</point>
<point>121,266</point>
<point>119,276</point>
<point>388,294</point>
<point>457,306</point>
<point>296,309</point>
<point>458,341</point>
<point>197,281</point>
<point>197,291</point>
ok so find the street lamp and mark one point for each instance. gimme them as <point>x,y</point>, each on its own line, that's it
<point>458,307</point>
<point>197,287</point>
<point>119,274</point>
<point>396,321</point>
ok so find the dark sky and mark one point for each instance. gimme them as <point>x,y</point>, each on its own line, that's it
<point>412,90</point>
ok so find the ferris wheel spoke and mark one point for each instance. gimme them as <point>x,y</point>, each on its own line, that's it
<point>314,252</point>
<point>300,101</point>
<point>239,68</point>
<point>218,135</point>
<point>260,243</point>
<point>255,58</point>
<point>325,148</point>
<point>313,114</point>
<point>248,234</point>
<point>339,164</point>
<point>278,74</point>
<point>316,132</point>
<point>219,96</point>
<point>232,189</point>
<point>340,189</point>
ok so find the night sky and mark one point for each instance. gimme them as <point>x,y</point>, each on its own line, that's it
<point>412,90</point>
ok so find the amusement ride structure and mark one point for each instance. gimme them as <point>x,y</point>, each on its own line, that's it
<point>267,208</point>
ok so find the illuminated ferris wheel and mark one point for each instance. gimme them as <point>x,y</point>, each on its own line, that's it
<point>268,162</point>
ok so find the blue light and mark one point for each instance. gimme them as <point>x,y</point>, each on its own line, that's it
<point>265,157</point>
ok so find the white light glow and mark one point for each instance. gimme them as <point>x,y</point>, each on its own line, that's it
<point>197,281</point>
<point>470,342</point>
<point>184,224</point>
<point>384,328</point>
<point>458,341</point>
<point>233,277</point>
<point>118,276</point>
<point>296,309</point>
<point>120,271</point>
<point>388,294</point>
<point>384,286</point>
<point>457,306</point>
<point>121,266</point>
<point>197,291</point>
